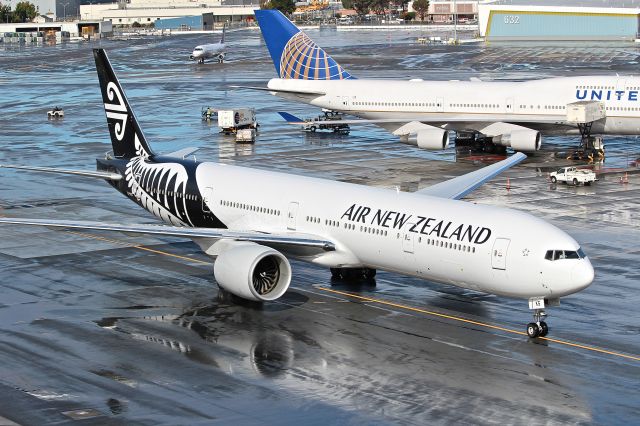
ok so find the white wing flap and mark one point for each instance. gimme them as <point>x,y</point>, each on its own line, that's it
<point>292,239</point>
<point>460,186</point>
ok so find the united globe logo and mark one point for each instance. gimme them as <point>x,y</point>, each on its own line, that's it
<point>302,59</point>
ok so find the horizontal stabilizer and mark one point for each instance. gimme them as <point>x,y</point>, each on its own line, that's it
<point>285,239</point>
<point>96,174</point>
<point>290,118</point>
<point>460,186</point>
<point>182,153</point>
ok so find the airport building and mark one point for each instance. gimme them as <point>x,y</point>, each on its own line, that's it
<point>56,9</point>
<point>18,32</point>
<point>178,12</point>
<point>559,20</point>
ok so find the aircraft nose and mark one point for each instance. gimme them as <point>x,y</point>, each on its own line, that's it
<point>582,275</point>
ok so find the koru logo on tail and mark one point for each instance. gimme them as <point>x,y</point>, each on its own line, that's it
<point>117,110</point>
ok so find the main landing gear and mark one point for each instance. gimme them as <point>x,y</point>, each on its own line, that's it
<point>538,328</point>
<point>352,274</point>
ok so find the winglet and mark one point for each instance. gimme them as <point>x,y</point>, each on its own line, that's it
<point>290,118</point>
<point>460,186</point>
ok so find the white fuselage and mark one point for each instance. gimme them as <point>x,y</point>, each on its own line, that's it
<point>464,105</point>
<point>490,249</point>
<point>208,51</point>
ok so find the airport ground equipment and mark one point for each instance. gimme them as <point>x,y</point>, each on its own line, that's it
<point>208,113</point>
<point>584,114</point>
<point>55,113</point>
<point>574,175</point>
<point>328,120</point>
<point>246,135</point>
<point>231,120</point>
<point>319,123</point>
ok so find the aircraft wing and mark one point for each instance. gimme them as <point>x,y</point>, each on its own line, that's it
<point>292,92</point>
<point>286,239</point>
<point>85,173</point>
<point>460,186</point>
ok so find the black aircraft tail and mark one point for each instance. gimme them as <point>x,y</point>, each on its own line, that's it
<point>126,136</point>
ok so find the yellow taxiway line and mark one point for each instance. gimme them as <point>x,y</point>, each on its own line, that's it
<point>384,302</point>
<point>137,246</point>
<point>478,323</point>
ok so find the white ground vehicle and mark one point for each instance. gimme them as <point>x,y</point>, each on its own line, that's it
<point>55,113</point>
<point>573,175</point>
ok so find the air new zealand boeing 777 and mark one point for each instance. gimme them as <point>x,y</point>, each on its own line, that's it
<point>252,221</point>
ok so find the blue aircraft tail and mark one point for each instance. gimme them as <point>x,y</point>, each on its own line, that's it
<point>294,54</point>
<point>290,118</point>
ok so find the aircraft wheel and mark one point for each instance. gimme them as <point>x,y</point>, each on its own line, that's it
<point>532,330</point>
<point>544,329</point>
<point>336,273</point>
<point>554,179</point>
<point>368,273</point>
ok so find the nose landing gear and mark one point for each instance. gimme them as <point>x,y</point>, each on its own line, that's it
<point>538,328</point>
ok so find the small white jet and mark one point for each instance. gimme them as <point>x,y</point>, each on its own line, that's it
<point>210,51</point>
<point>504,114</point>
<point>251,221</point>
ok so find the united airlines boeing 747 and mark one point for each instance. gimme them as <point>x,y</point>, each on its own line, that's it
<point>252,221</point>
<point>421,112</point>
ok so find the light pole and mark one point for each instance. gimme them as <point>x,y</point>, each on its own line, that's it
<point>455,22</point>
<point>64,11</point>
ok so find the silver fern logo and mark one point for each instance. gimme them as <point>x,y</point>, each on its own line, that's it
<point>160,188</point>
<point>117,110</point>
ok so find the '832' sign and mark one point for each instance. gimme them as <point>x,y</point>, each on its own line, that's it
<point>511,19</point>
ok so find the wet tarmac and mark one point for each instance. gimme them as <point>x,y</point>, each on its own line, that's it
<point>124,329</point>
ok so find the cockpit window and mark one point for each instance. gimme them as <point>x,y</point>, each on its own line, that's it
<point>564,254</point>
<point>198,49</point>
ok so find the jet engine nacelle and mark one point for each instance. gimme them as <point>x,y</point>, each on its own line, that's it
<point>519,138</point>
<point>252,271</point>
<point>522,140</point>
<point>434,139</point>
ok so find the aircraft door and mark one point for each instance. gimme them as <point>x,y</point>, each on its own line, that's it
<point>408,239</point>
<point>206,198</point>
<point>508,106</point>
<point>292,215</point>
<point>499,253</point>
<point>440,104</point>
